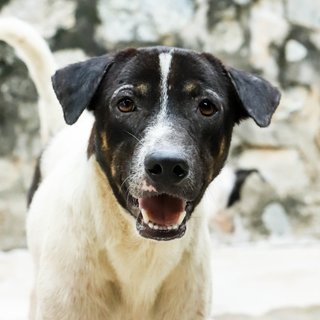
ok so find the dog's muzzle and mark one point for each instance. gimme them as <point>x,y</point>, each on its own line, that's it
<point>163,208</point>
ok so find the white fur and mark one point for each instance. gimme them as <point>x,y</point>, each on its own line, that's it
<point>165,65</point>
<point>90,262</point>
<point>36,54</point>
<point>161,128</point>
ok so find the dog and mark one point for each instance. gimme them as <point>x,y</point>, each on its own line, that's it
<point>115,223</point>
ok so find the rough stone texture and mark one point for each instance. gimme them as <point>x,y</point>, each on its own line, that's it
<point>152,20</point>
<point>257,193</point>
<point>295,51</point>
<point>231,37</point>
<point>306,15</point>
<point>268,28</point>
<point>283,169</point>
<point>19,145</point>
<point>275,220</point>
<point>46,15</point>
<point>279,40</point>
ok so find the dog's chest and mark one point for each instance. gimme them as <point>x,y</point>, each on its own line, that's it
<point>142,267</point>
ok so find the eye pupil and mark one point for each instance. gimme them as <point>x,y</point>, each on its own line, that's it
<point>207,108</point>
<point>126,105</point>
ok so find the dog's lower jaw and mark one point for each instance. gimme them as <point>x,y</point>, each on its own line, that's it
<point>160,233</point>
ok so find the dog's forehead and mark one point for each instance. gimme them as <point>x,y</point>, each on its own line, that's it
<point>180,66</point>
<point>190,69</point>
<point>141,66</point>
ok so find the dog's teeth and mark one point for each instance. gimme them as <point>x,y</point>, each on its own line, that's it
<point>154,226</point>
<point>145,216</point>
<point>182,216</point>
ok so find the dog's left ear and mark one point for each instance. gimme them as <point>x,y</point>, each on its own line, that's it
<point>258,97</point>
<point>76,84</point>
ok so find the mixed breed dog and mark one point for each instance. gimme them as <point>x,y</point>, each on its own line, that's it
<point>115,224</point>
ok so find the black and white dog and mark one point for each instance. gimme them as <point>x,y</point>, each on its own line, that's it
<point>115,223</point>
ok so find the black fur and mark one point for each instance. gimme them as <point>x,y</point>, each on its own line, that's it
<point>258,97</point>
<point>76,84</point>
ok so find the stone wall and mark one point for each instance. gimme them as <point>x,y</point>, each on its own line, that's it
<point>278,39</point>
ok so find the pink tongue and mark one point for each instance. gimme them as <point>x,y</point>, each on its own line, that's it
<point>163,209</point>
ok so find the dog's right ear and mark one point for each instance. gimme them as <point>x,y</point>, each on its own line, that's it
<point>258,98</point>
<point>76,84</point>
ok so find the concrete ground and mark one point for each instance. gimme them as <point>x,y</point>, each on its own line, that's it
<point>310,313</point>
<point>286,314</point>
<point>259,282</point>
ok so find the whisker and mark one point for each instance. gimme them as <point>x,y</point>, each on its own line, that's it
<point>132,135</point>
<point>124,181</point>
<point>127,198</point>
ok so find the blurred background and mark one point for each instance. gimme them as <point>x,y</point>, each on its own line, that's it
<point>264,209</point>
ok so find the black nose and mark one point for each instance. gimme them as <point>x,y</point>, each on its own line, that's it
<point>166,167</point>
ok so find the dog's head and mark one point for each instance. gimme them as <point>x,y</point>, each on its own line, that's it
<point>163,125</point>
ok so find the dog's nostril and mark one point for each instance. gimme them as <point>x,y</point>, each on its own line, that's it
<point>179,171</point>
<point>155,170</point>
<point>166,168</point>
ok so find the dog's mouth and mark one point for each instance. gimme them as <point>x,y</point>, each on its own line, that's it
<point>162,217</point>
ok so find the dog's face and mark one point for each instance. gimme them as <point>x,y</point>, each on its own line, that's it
<point>163,125</point>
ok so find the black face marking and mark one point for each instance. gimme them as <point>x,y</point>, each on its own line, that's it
<point>178,104</point>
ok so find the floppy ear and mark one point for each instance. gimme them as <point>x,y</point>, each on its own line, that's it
<point>258,97</point>
<point>76,84</point>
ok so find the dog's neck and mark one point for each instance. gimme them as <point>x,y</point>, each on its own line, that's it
<point>109,216</point>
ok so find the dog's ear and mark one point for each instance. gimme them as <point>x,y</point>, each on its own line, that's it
<point>76,84</point>
<point>259,99</point>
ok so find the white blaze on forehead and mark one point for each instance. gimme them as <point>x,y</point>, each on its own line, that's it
<point>165,64</point>
<point>160,128</point>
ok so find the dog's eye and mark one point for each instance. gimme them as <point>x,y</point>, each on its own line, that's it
<point>207,108</point>
<point>126,105</point>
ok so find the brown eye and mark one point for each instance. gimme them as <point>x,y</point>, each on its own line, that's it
<point>207,108</point>
<point>126,105</point>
